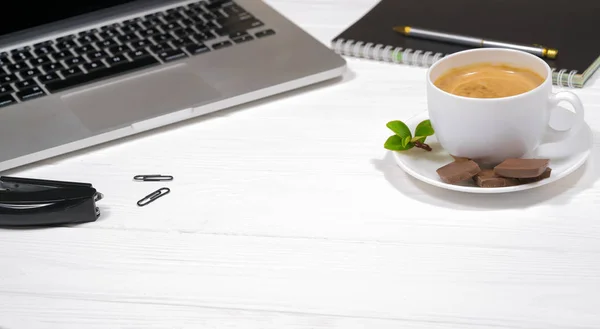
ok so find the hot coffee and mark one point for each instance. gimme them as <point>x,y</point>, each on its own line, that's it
<point>487,80</point>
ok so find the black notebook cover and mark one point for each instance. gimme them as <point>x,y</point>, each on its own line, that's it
<point>571,26</point>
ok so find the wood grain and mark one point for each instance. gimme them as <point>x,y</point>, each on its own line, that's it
<point>288,213</point>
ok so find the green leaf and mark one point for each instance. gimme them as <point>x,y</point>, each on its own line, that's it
<point>396,143</point>
<point>424,129</point>
<point>419,139</point>
<point>399,128</point>
<point>405,141</point>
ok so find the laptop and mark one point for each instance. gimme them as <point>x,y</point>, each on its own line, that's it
<point>77,74</point>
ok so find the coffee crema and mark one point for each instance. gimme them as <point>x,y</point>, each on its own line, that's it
<point>487,80</point>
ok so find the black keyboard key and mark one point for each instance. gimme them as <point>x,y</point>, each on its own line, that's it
<point>184,32</point>
<point>106,43</point>
<point>25,84</point>
<point>190,12</point>
<point>234,10</point>
<point>201,37</point>
<point>118,49</point>
<point>205,27</point>
<point>66,44</point>
<point>140,44</point>
<point>87,39</point>
<point>187,22</point>
<point>131,28</point>
<point>61,55</point>
<point>226,21</point>
<point>30,73</point>
<point>71,72</point>
<point>196,49</point>
<point>170,27</point>
<point>7,78</point>
<point>6,89</point>
<point>4,61</point>
<point>110,27</point>
<point>44,50</point>
<point>88,32</point>
<point>152,16</point>
<point>183,42</point>
<point>74,61</point>
<point>101,74</point>
<point>94,66</point>
<point>195,5</point>
<point>20,50</point>
<point>238,34</point>
<point>138,53</point>
<point>172,17</point>
<point>116,60</point>
<point>83,50</point>
<point>109,34</point>
<point>160,48</point>
<point>153,22</point>
<point>171,55</point>
<point>222,45</point>
<point>97,55</point>
<point>52,67</point>
<point>30,93</point>
<point>49,77</point>
<point>149,32</point>
<point>6,100</point>
<point>66,38</point>
<point>264,33</point>
<point>127,38</point>
<point>40,60</point>
<point>18,67</point>
<point>209,16</point>
<point>21,56</point>
<point>215,4</point>
<point>132,21</point>
<point>43,44</point>
<point>196,18</point>
<point>239,27</point>
<point>160,38</point>
<point>244,38</point>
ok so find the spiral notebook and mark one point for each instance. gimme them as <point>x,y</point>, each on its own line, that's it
<point>569,26</point>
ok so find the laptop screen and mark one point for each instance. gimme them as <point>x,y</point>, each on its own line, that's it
<point>43,12</point>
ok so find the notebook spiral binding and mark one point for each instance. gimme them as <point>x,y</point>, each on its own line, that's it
<point>558,78</point>
<point>383,53</point>
<point>398,55</point>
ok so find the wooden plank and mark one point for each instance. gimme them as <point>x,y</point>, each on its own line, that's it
<point>471,286</point>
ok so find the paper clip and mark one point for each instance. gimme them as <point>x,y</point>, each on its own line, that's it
<point>153,196</point>
<point>153,178</point>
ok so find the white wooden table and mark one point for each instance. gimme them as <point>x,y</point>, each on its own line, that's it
<point>289,213</point>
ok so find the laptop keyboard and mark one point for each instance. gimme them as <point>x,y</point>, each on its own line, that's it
<point>155,39</point>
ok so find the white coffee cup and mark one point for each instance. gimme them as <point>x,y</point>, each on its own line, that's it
<point>490,130</point>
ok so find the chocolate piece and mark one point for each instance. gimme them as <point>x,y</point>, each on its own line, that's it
<point>458,171</point>
<point>459,159</point>
<point>487,178</point>
<point>544,175</point>
<point>521,168</point>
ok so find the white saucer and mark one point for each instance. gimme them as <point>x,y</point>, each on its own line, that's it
<point>564,159</point>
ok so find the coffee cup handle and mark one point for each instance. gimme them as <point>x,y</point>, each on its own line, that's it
<point>571,98</point>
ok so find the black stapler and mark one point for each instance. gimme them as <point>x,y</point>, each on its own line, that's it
<point>34,202</point>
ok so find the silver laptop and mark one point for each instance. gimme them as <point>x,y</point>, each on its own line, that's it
<point>76,74</point>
